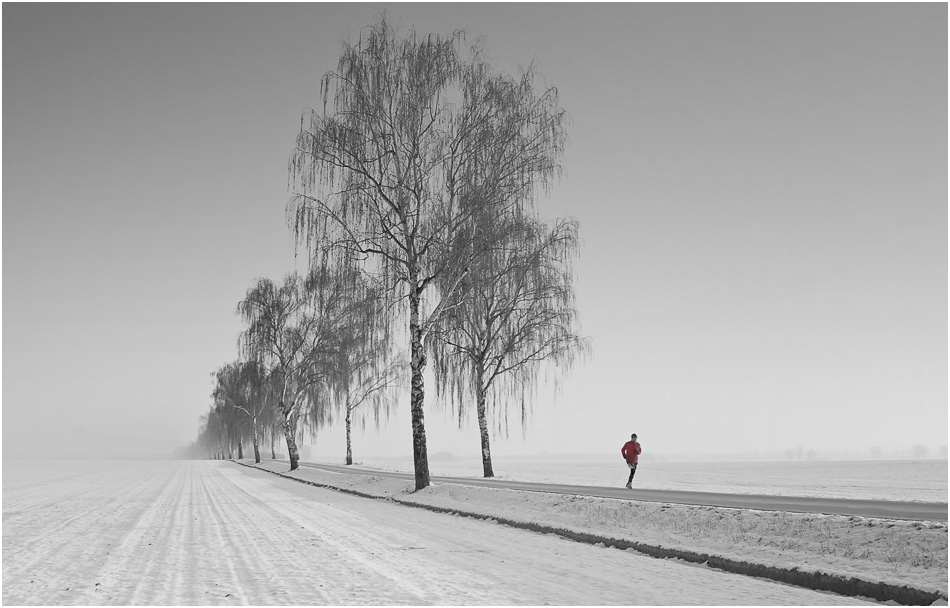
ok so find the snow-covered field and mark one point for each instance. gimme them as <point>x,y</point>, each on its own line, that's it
<point>206,532</point>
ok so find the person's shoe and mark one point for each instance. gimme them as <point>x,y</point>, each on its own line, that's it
<point>628,487</point>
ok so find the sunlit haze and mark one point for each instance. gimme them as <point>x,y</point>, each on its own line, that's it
<point>761,192</point>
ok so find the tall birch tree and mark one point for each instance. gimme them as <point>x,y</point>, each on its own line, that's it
<point>383,171</point>
<point>515,314</point>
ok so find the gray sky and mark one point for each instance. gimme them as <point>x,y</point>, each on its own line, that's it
<point>762,192</point>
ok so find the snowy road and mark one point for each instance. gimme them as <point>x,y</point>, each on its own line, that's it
<point>923,511</point>
<point>209,532</point>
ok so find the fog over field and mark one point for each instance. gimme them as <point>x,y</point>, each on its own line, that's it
<point>761,192</point>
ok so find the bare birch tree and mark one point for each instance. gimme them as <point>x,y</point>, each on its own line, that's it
<point>360,373</point>
<point>297,332</point>
<point>279,339</point>
<point>383,171</point>
<point>240,385</point>
<point>515,313</point>
<point>366,388</point>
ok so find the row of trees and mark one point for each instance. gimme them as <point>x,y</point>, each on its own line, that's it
<point>414,198</point>
<point>312,346</point>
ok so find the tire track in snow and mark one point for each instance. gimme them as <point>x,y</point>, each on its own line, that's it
<point>69,510</point>
<point>78,526</point>
<point>198,553</point>
<point>131,565</point>
<point>302,526</point>
<point>242,532</point>
<point>223,534</point>
<point>330,529</point>
<point>158,534</point>
<point>377,557</point>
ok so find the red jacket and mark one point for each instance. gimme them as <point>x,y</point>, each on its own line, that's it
<point>630,450</point>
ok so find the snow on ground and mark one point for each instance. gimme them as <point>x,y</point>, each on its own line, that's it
<point>216,533</point>
<point>877,550</point>
<point>917,480</point>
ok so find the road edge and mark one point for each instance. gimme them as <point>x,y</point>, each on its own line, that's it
<point>814,580</point>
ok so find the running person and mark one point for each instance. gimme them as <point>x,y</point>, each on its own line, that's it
<point>631,452</point>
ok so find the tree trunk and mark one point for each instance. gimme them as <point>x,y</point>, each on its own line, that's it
<point>483,423</point>
<point>349,446</point>
<point>420,456</point>
<point>257,451</point>
<point>273,450</point>
<point>290,430</point>
<point>240,449</point>
<point>292,451</point>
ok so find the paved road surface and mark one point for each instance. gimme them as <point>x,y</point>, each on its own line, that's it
<point>926,511</point>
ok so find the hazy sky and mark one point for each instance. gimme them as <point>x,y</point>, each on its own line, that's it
<point>762,193</point>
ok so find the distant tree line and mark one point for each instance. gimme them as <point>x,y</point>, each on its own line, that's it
<point>414,191</point>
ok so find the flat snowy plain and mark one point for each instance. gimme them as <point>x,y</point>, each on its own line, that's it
<point>212,532</point>
<point>919,480</point>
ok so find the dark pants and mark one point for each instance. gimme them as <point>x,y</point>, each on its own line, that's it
<point>633,470</point>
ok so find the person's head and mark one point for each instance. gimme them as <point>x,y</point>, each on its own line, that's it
<point>633,437</point>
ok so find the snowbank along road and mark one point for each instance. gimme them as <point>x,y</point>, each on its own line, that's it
<point>218,533</point>
<point>924,511</point>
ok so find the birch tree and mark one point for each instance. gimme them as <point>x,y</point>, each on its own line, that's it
<point>296,332</point>
<point>240,385</point>
<point>515,314</point>
<point>366,389</point>
<point>365,374</point>
<point>360,374</point>
<point>383,171</point>
<point>279,338</point>
<point>369,371</point>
